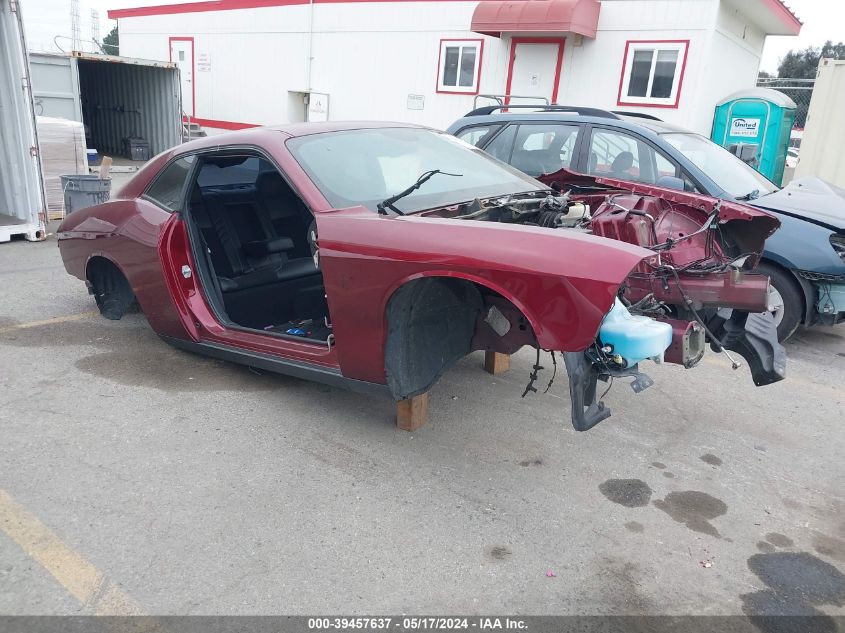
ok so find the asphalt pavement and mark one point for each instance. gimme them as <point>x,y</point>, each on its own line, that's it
<point>136,478</point>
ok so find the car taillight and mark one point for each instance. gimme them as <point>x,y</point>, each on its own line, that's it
<point>838,243</point>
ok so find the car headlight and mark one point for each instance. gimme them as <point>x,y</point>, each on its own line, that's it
<point>838,243</point>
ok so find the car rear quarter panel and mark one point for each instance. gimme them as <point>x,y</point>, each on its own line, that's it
<point>127,232</point>
<point>564,283</point>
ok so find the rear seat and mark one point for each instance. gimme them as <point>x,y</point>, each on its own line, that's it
<point>285,211</point>
<point>227,232</point>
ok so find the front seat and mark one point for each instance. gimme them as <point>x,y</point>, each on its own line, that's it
<point>621,164</point>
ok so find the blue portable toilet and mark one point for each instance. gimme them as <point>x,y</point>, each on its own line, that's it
<point>755,124</point>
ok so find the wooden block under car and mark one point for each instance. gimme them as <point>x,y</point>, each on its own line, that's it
<point>412,413</point>
<point>496,363</point>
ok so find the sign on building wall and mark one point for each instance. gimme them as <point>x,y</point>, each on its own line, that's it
<point>416,102</point>
<point>318,106</point>
<point>741,126</point>
<point>203,63</point>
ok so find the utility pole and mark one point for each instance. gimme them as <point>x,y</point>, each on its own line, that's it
<point>75,33</point>
<point>95,27</point>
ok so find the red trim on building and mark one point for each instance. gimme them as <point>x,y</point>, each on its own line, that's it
<point>229,5</point>
<point>170,41</point>
<point>221,125</point>
<point>785,15</point>
<point>680,79</point>
<point>561,42</point>
<point>585,27</point>
<point>477,69</point>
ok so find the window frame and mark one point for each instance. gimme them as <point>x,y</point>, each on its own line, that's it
<point>511,125</point>
<point>631,46</point>
<point>491,132</point>
<point>185,187</point>
<point>440,87</point>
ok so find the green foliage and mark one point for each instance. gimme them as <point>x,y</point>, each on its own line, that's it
<point>803,64</point>
<point>111,42</point>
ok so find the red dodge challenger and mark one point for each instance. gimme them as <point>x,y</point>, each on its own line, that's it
<point>373,256</point>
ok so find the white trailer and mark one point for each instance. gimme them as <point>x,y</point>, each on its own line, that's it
<point>824,133</point>
<point>22,203</point>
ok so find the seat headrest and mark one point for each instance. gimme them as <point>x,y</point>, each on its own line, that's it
<point>623,162</point>
<point>270,184</point>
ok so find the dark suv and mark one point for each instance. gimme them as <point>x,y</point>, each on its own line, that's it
<point>805,259</point>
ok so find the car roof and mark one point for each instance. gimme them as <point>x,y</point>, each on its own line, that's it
<point>289,130</point>
<point>634,121</point>
<point>656,125</point>
<point>306,129</point>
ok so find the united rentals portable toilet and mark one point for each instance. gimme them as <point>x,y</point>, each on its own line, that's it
<point>754,124</point>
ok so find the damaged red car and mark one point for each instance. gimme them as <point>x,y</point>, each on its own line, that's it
<point>374,256</point>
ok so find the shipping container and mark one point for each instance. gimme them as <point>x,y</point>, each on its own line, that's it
<point>118,99</point>
<point>22,205</point>
<point>824,132</point>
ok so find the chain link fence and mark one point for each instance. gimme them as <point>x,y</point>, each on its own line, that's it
<point>799,90</point>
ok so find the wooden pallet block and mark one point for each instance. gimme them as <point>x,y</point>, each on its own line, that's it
<point>496,363</point>
<point>412,413</point>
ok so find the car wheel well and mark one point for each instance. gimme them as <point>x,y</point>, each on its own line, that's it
<point>793,294</point>
<point>433,322</point>
<point>110,288</point>
<point>796,282</point>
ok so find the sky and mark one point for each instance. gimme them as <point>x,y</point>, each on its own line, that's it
<point>823,20</point>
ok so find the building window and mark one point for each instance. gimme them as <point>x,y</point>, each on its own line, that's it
<point>459,66</point>
<point>652,73</point>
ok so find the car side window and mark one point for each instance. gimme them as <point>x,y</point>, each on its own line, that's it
<point>168,188</point>
<point>689,185</point>
<point>501,146</point>
<point>543,149</point>
<point>477,134</point>
<point>619,155</point>
<point>244,173</point>
<point>664,166</point>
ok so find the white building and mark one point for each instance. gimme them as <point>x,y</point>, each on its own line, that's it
<point>252,62</point>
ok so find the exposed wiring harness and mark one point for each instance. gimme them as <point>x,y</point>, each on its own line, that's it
<point>535,373</point>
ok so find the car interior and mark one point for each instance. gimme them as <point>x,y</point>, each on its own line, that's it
<point>539,152</point>
<point>254,231</point>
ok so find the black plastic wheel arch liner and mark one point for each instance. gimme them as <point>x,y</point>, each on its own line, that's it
<point>430,326</point>
<point>754,336</point>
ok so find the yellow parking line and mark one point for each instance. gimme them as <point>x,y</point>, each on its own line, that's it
<point>84,582</point>
<point>60,319</point>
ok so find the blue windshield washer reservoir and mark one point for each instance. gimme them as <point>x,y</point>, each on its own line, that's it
<point>634,337</point>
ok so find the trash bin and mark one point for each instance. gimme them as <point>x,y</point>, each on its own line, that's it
<point>81,191</point>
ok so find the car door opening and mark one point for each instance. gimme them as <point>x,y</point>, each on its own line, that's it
<point>252,231</point>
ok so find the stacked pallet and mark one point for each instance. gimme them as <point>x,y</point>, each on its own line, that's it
<point>62,147</point>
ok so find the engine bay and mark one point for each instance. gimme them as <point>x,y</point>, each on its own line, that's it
<point>698,287</point>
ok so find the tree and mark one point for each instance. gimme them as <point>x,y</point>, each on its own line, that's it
<point>111,42</point>
<point>803,64</point>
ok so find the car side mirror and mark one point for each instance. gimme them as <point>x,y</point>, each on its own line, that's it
<point>670,182</point>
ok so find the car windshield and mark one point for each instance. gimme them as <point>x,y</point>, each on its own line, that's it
<point>364,167</point>
<point>732,175</point>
